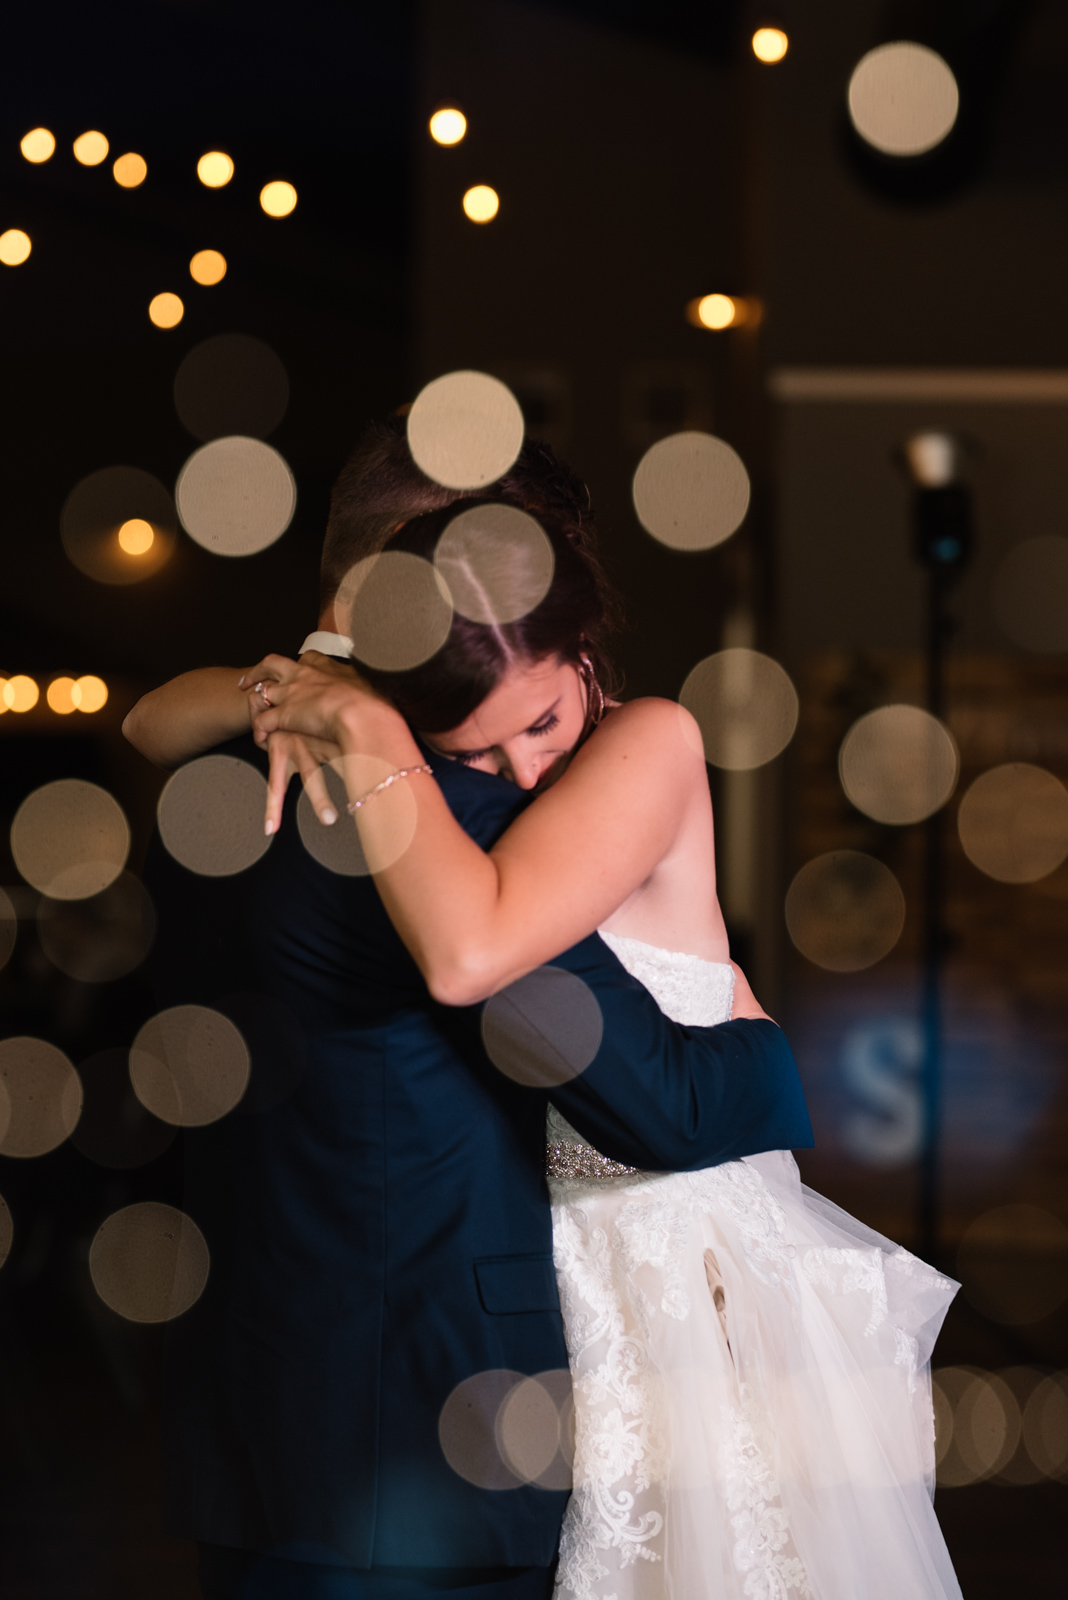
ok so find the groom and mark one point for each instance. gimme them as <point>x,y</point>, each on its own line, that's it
<point>376,1209</point>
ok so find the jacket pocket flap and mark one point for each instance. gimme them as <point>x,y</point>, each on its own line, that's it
<point>517,1283</point>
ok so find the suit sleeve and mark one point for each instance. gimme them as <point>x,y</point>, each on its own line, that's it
<point>655,1095</point>
<point>669,1098</point>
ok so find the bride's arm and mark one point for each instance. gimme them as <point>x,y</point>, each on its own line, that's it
<point>188,715</point>
<point>206,707</point>
<point>475,922</point>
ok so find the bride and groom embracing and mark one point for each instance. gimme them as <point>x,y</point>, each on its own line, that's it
<point>403,1224</point>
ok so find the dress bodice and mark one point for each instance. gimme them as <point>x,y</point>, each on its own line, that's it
<point>689,990</point>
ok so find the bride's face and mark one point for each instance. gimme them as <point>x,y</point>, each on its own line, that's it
<point>525,727</point>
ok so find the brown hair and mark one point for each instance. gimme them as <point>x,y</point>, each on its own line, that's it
<point>575,617</point>
<point>380,486</point>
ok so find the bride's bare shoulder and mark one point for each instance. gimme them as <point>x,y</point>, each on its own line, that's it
<point>649,728</point>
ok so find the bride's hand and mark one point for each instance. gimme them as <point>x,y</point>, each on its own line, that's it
<point>289,754</point>
<point>745,1002</point>
<point>308,697</point>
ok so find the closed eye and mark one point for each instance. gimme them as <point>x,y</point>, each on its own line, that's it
<point>550,721</point>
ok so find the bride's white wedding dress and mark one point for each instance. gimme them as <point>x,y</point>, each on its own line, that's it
<point>750,1369</point>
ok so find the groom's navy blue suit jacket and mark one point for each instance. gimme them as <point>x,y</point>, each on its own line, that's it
<point>376,1209</point>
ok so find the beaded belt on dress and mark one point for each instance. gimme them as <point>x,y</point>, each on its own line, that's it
<point>565,1160</point>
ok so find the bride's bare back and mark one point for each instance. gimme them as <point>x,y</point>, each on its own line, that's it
<point>676,908</point>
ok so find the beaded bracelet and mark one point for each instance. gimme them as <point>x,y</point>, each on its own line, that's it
<point>405,772</point>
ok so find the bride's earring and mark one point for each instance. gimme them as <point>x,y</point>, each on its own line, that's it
<point>595,701</point>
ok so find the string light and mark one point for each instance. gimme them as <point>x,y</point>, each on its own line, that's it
<point>136,536</point>
<point>215,169</point>
<point>166,310</point>
<point>207,267</point>
<point>21,693</point>
<point>481,203</point>
<point>15,247</point>
<point>90,148</point>
<point>770,44</point>
<point>130,170</point>
<point>718,311</point>
<point>448,125</point>
<point>278,198</point>
<point>38,145</point>
<point>59,696</point>
<point>89,693</point>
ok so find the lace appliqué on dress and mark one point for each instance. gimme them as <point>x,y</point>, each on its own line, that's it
<point>763,1549</point>
<point>674,1416</point>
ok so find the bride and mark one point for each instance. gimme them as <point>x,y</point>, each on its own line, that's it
<point>750,1366</point>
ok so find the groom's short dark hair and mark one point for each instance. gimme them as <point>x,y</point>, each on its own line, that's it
<point>380,487</point>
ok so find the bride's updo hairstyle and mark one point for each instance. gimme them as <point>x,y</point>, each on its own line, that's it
<point>574,615</point>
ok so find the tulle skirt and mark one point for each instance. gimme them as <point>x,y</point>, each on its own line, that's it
<point>751,1377</point>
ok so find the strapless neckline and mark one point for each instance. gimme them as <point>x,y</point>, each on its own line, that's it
<point>619,943</point>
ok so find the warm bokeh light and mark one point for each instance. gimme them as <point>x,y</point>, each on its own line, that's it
<point>149,1262</point>
<point>15,247</point>
<point>898,764</point>
<point>21,693</point>
<point>845,911</point>
<point>744,704</point>
<point>166,310</point>
<point>130,170</point>
<point>467,1429</point>
<point>691,490</point>
<point>1045,1426</point>
<point>90,693</point>
<point>236,496</point>
<point>338,847</point>
<point>1013,823</point>
<point>465,429</point>
<point>42,1099</point>
<point>215,169</point>
<point>38,145</point>
<point>211,814</point>
<point>397,609</point>
<point>207,267</point>
<point>544,1029</point>
<point>448,125</point>
<point>770,44</point>
<point>528,1428</point>
<point>229,386</point>
<point>136,536</point>
<point>903,99</point>
<point>70,839</point>
<point>716,311</point>
<point>189,1066</point>
<point>99,505</point>
<point>60,696</point>
<point>933,458</point>
<point>977,1425</point>
<point>481,203</point>
<point>496,563</point>
<point>90,148</point>
<point>278,198</point>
